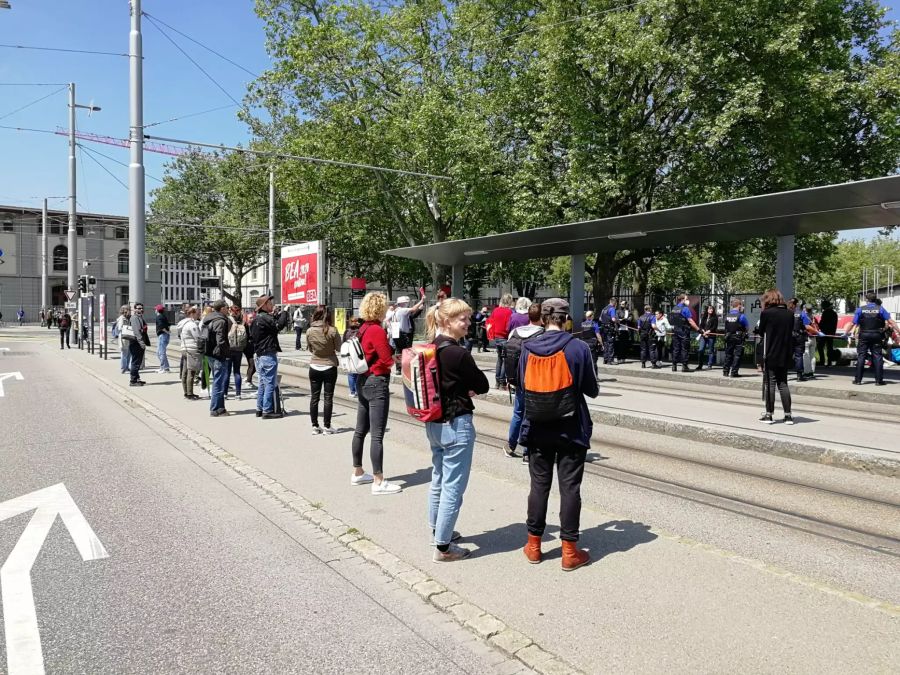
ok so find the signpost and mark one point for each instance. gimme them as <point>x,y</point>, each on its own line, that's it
<point>70,295</point>
<point>303,273</point>
<point>104,347</point>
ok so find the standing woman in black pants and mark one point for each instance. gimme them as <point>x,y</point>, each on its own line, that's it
<point>776,327</point>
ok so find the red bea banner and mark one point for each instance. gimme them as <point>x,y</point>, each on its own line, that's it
<point>301,274</point>
<point>357,284</point>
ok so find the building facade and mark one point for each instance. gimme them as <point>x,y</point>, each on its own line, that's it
<point>102,252</point>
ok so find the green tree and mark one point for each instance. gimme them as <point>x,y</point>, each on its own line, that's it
<point>212,210</point>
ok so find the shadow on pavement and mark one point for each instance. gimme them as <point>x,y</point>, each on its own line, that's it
<point>418,477</point>
<point>615,536</point>
<point>503,539</point>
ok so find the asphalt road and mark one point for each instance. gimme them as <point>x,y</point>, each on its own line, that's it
<point>204,573</point>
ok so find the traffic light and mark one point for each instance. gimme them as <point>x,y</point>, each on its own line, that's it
<point>82,284</point>
<point>92,281</point>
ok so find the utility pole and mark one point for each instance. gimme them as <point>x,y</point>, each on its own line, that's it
<point>44,305</point>
<point>272,230</point>
<point>137,225</point>
<point>73,241</point>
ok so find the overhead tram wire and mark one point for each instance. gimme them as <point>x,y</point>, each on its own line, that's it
<point>189,58</point>
<point>200,44</point>
<point>34,84</point>
<point>299,158</point>
<point>61,49</point>
<point>34,102</point>
<point>115,161</point>
<point>184,117</point>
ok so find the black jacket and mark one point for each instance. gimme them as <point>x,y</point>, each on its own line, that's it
<point>828,322</point>
<point>264,332</point>
<point>709,322</point>
<point>459,375</point>
<point>776,325</point>
<point>162,324</point>
<point>217,336</point>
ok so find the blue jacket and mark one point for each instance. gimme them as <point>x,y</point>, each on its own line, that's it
<point>575,430</point>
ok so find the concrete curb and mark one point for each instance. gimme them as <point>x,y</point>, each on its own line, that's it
<point>781,447</point>
<point>471,617</point>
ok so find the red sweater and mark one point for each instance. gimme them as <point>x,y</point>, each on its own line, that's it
<point>376,348</point>
<point>499,322</point>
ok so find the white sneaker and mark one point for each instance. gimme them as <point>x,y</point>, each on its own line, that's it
<point>361,480</point>
<point>328,431</point>
<point>316,431</point>
<point>385,488</point>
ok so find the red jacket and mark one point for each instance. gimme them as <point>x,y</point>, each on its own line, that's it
<point>375,346</point>
<point>499,322</point>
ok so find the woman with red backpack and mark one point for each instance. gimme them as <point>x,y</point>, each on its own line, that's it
<point>452,439</point>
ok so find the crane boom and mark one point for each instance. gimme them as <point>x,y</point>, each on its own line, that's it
<point>149,146</point>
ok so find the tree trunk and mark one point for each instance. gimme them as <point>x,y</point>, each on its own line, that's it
<point>603,276</point>
<point>639,288</point>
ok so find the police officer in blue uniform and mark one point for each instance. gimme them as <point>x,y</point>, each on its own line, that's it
<point>647,334</point>
<point>590,335</point>
<point>800,334</point>
<point>736,329</point>
<point>682,321</point>
<point>609,324</point>
<point>871,320</point>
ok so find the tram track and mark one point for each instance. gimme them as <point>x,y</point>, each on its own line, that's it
<point>783,517</point>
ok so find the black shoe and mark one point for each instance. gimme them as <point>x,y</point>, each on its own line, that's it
<point>136,384</point>
<point>880,383</point>
<point>643,364</point>
<point>685,369</point>
<point>272,416</point>
<point>699,366</point>
<point>674,368</point>
<point>656,366</point>
<point>510,452</point>
<point>857,381</point>
<point>194,397</point>
<point>735,375</point>
<point>259,413</point>
<point>766,418</point>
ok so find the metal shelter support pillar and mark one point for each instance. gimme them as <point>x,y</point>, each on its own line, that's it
<point>457,281</point>
<point>784,265</point>
<point>576,294</point>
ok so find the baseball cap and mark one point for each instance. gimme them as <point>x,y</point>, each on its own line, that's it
<point>261,300</point>
<point>556,306</point>
<point>403,299</point>
<point>160,308</point>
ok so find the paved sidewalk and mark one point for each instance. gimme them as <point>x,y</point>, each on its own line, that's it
<point>652,601</point>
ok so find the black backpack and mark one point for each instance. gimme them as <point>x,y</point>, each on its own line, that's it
<point>513,351</point>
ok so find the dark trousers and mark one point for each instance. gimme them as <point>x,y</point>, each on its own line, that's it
<point>648,348</point>
<point>569,460</point>
<point>401,342</point>
<point>136,351</point>
<point>777,377</point>
<point>870,344</point>
<point>234,368</point>
<point>609,344</point>
<point>64,338</point>
<point>734,349</point>
<point>372,409</point>
<point>297,344</point>
<point>500,369</point>
<point>681,345</point>
<point>799,351</point>
<point>317,380</point>
<point>826,344</point>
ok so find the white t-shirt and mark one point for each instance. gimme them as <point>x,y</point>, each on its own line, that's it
<point>400,322</point>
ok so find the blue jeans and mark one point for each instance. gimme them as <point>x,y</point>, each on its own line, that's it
<point>267,367</point>
<point>161,352</point>
<point>351,380</point>
<point>702,345</point>
<point>219,380</point>
<point>452,444</point>
<point>234,368</point>
<point>125,358</point>
<point>515,424</point>
<point>500,370</point>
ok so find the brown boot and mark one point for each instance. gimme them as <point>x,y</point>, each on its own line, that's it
<point>573,557</point>
<point>532,549</point>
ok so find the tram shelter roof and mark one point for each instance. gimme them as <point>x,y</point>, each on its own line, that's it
<point>843,206</point>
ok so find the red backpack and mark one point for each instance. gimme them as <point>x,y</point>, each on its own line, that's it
<point>422,382</point>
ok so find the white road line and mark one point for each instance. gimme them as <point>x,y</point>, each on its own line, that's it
<point>6,376</point>
<point>23,639</point>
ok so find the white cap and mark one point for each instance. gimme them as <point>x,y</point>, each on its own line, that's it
<point>403,299</point>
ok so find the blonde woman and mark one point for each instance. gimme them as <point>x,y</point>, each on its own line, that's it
<point>452,439</point>
<point>373,390</point>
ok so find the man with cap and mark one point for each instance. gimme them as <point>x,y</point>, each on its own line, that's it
<point>264,336</point>
<point>217,351</point>
<point>402,327</point>
<point>163,333</point>
<point>556,434</point>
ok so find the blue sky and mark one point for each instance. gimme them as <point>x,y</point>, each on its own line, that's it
<point>36,165</point>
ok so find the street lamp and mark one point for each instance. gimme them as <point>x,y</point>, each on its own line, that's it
<point>73,242</point>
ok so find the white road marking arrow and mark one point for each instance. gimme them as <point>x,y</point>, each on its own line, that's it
<point>6,376</point>
<point>23,639</point>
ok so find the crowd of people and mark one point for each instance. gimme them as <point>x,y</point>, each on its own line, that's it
<point>549,366</point>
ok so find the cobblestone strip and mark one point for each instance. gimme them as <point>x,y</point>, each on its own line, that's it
<point>473,618</point>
